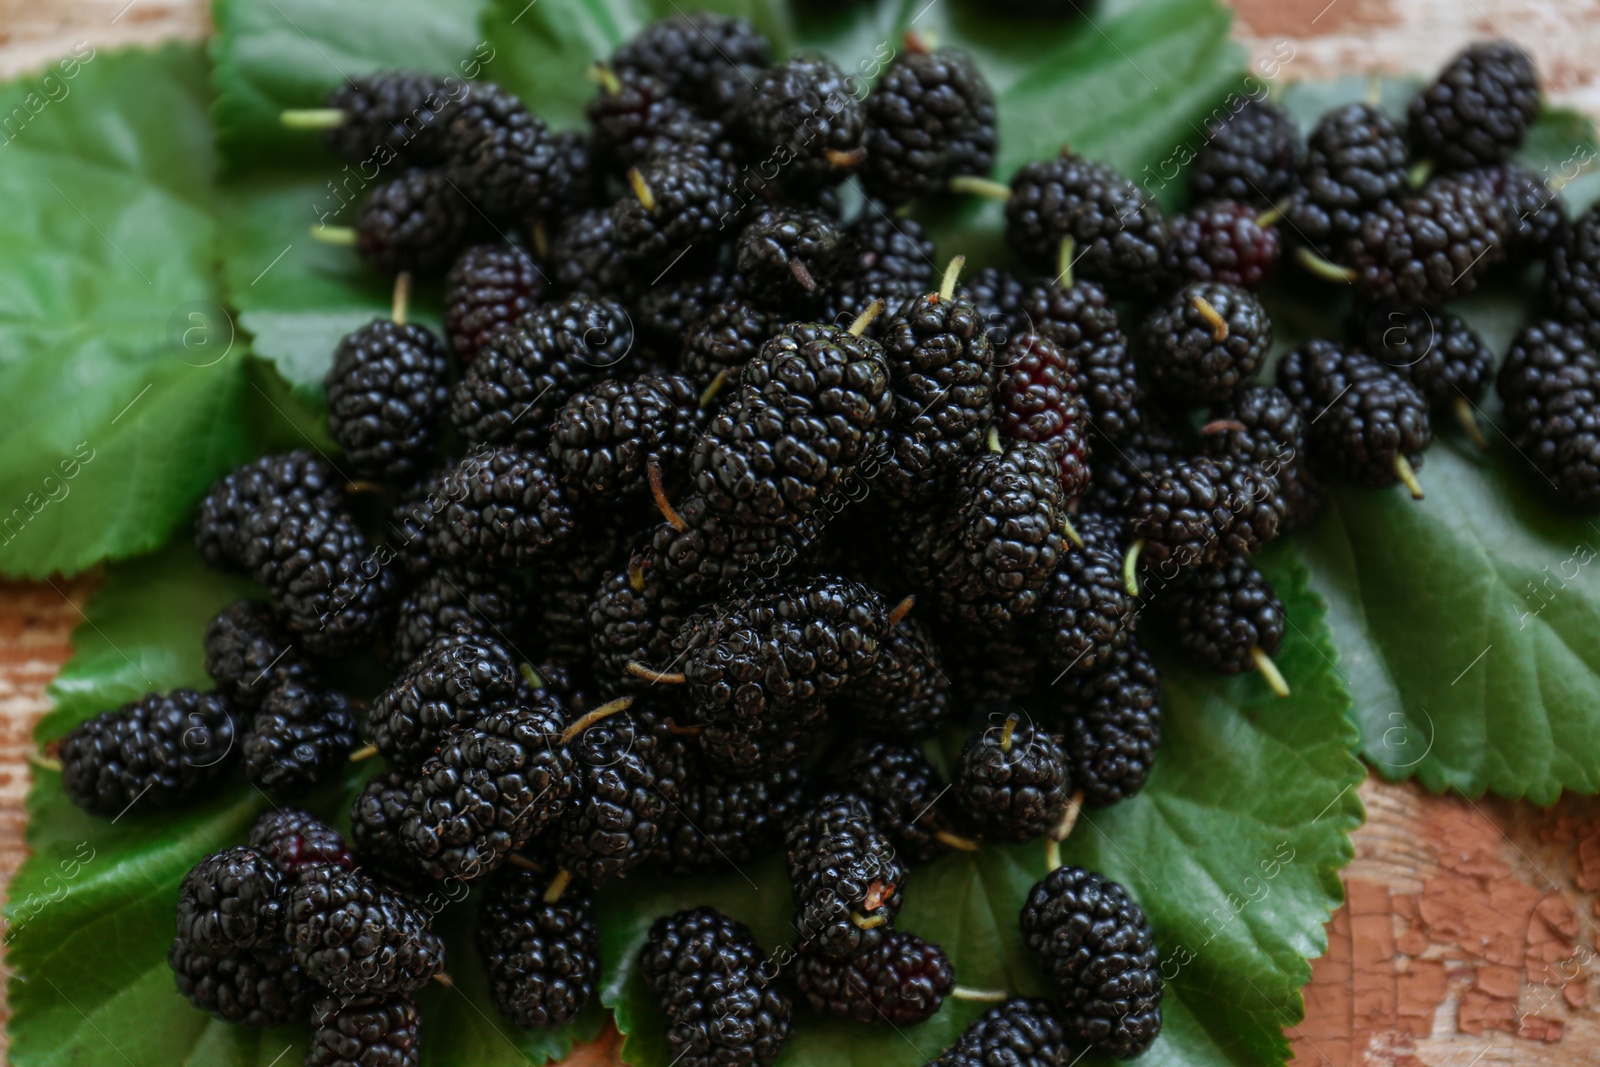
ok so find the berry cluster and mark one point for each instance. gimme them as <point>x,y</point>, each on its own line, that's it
<point>705,480</point>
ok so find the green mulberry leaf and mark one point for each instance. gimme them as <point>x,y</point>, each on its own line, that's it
<point>121,380</point>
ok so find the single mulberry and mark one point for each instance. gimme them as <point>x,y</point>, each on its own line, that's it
<point>231,900</point>
<point>846,877</point>
<point>416,222</point>
<point>511,510</point>
<point>538,943</point>
<point>260,987</point>
<point>366,1033</point>
<point>1018,1033</point>
<point>930,118</point>
<point>454,600</point>
<point>902,981</point>
<point>357,938</point>
<point>1356,162</point>
<point>493,785</point>
<point>1205,342</point>
<point>386,397</point>
<point>489,287</point>
<point>1252,156</point>
<point>389,116</point>
<point>1118,236</point>
<point>248,655</point>
<point>1550,382</point>
<point>1010,781</point>
<point>1365,423</point>
<point>524,374</point>
<point>1226,618</point>
<point>988,561</point>
<point>1478,110</point>
<point>298,739</point>
<point>605,440</point>
<point>708,974</point>
<point>1096,944</point>
<point>1111,726</point>
<point>162,750</point>
<point>810,407</point>
<point>807,112</point>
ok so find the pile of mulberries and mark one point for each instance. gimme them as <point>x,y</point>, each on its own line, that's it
<point>712,507</point>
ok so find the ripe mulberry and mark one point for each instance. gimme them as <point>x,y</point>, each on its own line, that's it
<point>386,396</point>
<point>1478,110</point>
<point>541,954</point>
<point>902,981</point>
<point>357,938</point>
<point>846,878</point>
<point>1550,383</point>
<point>1205,342</point>
<point>930,118</point>
<point>162,750</point>
<point>489,287</point>
<point>1096,945</point>
<point>707,971</point>
<point>1010,781</point>
<point>1119,239</point>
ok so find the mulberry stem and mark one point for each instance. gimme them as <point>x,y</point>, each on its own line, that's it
<point>714,388</point>
<point>863,320</point>
<point>639,670</point>
<point>993,440</point>
<point>313,118</point>
<point>517,859</point>
<point>1069,818</point>
<point>1408,476</point>
<point>1218,324</point>
<point>902,609</point>
<point>983,996</point>
<point>955,841</point>
<point>534,679</point>
<point>444,980</point>
<point>44,763</point>
<point>1322,268</point>
<point>340,236</point>
<point>840,160</point>
<point>641,189</point>
<point>1130,567</point>
<point>1269,671</point>
<point>1064,262</point>
<point>1270,217</point>
<point>968,183</point>
<point>1221,425</point>
<point>802,275</point>
<point>402,297</point>
<point>604,710</point>
<point>865,922</point>
<point>541,240</point>
<point>1072,533</point>
<point>558,885</point>
<point>1052,854</point>
<point>653,470</point>
<point>919,43</point>
<point>1419,174</point>
<point>363,753</point>
<point>1008,731</point>
<point>1468,420</point>
<point>605,78</point>
<point>947,284</point>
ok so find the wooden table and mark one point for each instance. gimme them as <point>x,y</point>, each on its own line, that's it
<point>1470,933</point>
